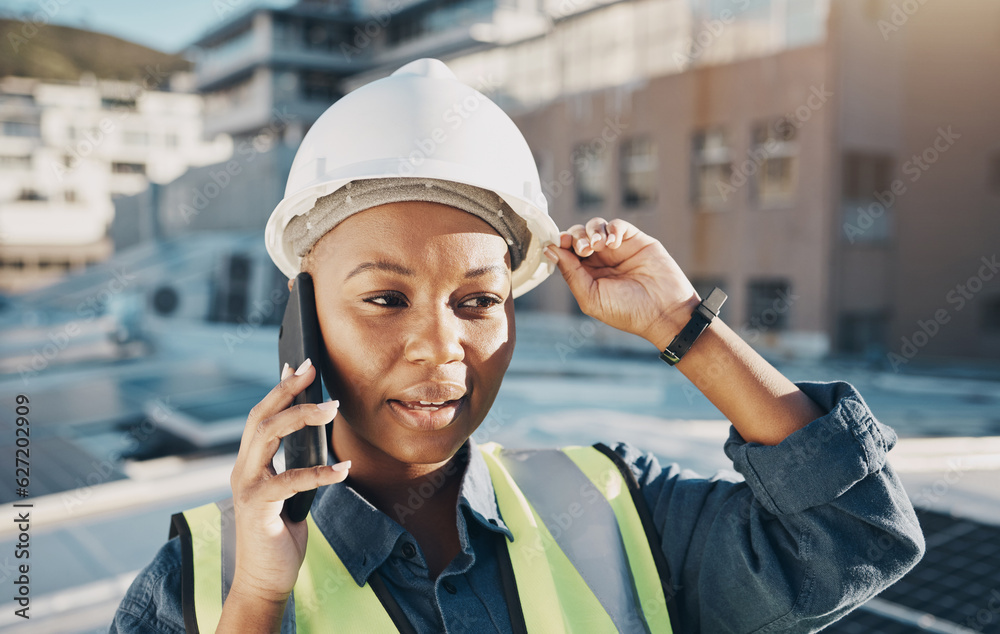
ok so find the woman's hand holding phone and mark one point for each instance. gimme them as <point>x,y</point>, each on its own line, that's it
<point>270,547</point>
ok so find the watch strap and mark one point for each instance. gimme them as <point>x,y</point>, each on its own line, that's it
<point>702,316</point>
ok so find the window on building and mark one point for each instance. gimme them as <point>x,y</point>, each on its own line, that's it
<point>989,315</point>
<point>862,332</point>
<point>865,174</point>
<point>286,32</point>
<point>319,87</point>
<point>405,27</point>
<point>15,100</point>
<point>866,197</point>
<point>21,129</point>
<point>15,162</point>
<point>69,195</point>
<point>128,168</point>
<point>769,304</point>
<point>637,163</point>
<point>114,103</point>
<point>279,288</point>
<point>317,36</point>
<point>325,36</point>
<point>231,295</point>
<point>774,153</point>
<point>449,14</point>
<point>590,175</point>
<point>28,193</point>
<point>711,169</point>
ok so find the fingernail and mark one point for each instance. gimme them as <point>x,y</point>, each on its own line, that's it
<point>342,466</point>
<point>328,405</point>
<point>550,253</point>
<point>611,239</point>
<point>594,239</point>
<point>582,244</point>
<point>286,371</point>
<point>302,368</point>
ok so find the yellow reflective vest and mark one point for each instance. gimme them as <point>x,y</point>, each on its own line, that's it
<point>585,556</point>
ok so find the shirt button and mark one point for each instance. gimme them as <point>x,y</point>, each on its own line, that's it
<point>449,586</point>
<point>409,550</point>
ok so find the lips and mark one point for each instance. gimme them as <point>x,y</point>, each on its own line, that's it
<point>426,405</point>
<point>426,417</point>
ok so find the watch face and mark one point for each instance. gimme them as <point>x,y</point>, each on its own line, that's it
<point>715,300</point>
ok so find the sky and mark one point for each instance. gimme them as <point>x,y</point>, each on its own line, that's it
<point>166,25</point>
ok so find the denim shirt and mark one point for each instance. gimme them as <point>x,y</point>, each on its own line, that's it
<point>820,524</point>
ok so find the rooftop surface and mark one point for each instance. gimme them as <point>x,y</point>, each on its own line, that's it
<point>106,484</point>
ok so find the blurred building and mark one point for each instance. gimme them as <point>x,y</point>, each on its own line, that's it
<point>266,74</point>
<point>286,66</point>
<point>269,66</point>
<point>835,167</point>
<point>808,157</point>
<point>68,149</point>
<point>916,134</point>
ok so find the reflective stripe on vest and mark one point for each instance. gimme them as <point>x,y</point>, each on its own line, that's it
<point>584,542</point>
<point>580,555</point>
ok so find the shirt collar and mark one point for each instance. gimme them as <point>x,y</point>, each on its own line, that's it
<point>477,493</point>
<point>363,536</point>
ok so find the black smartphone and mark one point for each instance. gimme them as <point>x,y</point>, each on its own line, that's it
<point>299,338</point>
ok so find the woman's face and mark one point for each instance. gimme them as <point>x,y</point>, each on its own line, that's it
<point>414,303</point>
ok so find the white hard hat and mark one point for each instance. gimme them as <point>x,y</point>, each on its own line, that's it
<point>420,122</point>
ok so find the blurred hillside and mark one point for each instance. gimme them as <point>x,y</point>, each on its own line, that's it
<point>53,52</point>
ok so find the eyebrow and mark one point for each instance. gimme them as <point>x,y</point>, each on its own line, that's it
<point>393,267</point>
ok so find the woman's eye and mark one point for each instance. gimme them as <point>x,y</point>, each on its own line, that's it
<point>483,301</point>
<point>394,300</point>
<point>389,299</point>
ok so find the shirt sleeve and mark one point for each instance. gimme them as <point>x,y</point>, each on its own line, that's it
<point>820,524</point>
<point>153,601</point>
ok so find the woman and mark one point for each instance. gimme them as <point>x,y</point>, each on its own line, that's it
<point>415,277</point>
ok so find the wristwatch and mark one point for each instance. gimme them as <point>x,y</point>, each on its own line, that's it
<point>702,316</point>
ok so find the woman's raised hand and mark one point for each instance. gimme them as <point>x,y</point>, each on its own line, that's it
<point>625,278</point>
<point>270,547</point>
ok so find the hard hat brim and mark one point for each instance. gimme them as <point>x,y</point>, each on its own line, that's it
<point>533,270</point>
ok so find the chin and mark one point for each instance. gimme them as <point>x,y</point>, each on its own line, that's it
<point>426,454</point>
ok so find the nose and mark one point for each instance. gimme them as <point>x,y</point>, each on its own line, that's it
<point>435,337</point>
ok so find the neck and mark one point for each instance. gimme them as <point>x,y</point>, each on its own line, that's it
<point>420,497</point>
<point>402,490</point>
